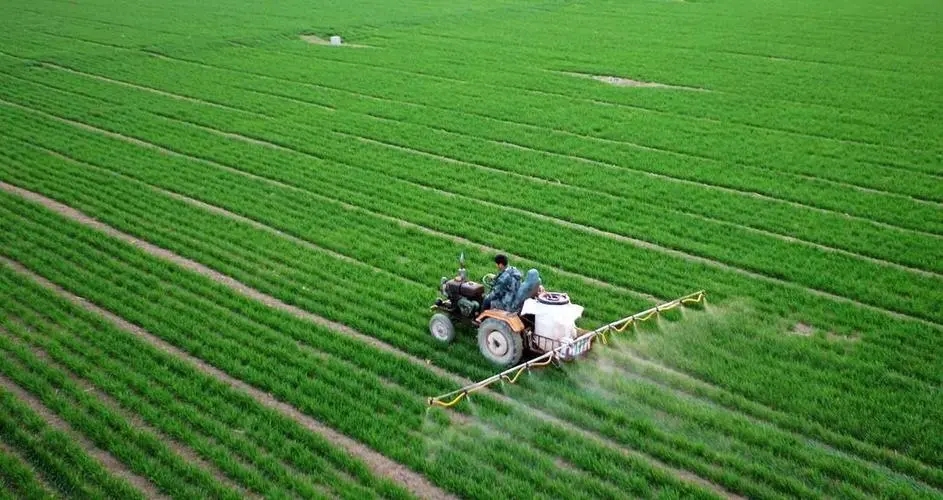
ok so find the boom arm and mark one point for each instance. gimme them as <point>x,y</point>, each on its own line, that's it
<point>452,398</point>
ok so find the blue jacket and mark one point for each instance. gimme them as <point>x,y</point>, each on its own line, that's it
<point>505,286</point>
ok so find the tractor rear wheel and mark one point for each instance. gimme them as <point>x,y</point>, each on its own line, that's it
<point>498,343</point>
<point>441,328</point>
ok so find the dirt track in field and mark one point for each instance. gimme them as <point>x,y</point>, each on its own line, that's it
<point>380,464</point>
<point>183,451</point>
<point>111,464</point>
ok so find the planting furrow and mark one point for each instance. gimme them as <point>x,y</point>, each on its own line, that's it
<point>385,68</point>
<point>294,395</point>
<point>196,409</point>
<point>469,109</point>
<point>190,264</point>
<point>595,194</point>
<point>824,211</point>
<point>65,462</point>
<point>463,382</point>
<point>622,288</point>
<point>528,410</point>
<point>618,237</point>
<point>376,462</point>
<point>160,92</point>
<point>832,212</point>
<point>180,449</point>
<point>515,123</point>
<point>111,466</point>
<point>826,287</point>
<point>17,478</point>
<point>635,107</point>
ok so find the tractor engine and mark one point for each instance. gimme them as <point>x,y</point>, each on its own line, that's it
<point>466,296</point>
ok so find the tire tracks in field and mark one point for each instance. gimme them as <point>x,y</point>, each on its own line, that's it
<point>41,479</point>
<point>337,201</point>
<point>579,227</point>
<point>665,177</point>
<point>275,303</point>
<point>594,231</point>
<point>181,450</point>
<point>107,460</point>
<point>377,463</point>
<point>782,237</point>
<point>620,105</point>
<point>660,150</point>
<point>634,107</point>
<point>701,184</point>
<point>425,490</point>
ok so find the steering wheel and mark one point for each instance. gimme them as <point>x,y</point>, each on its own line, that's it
<point>488,280</point>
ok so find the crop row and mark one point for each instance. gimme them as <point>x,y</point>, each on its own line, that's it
<point>902,211</point>
<point>50,458</point>
<point>268,454</point>
<point>141,451</point>
<point>647,443</point>
<point>554,94</point>
<point>347,395</point>
<point>612,183</point>
<point>554,110</point>
<point>682,232</point>
<point>889,288</point>
<point>99,185</point>
<point>439,58</point>
<point>526,123</point>
<point>204,183</point>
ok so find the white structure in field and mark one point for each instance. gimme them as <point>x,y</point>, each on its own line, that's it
<point>553,321</point>
<point>335,40</point>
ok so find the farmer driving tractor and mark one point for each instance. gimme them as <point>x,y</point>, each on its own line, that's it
<point>505,286</point>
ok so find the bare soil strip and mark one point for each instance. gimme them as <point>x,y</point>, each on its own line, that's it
<point>378,463</point>
<point>10,452</point>
<point>628,82</point>
<point>153,90</point>
<point>643,244</point>
<point>627,143</point>
<point>137,422</point>
<point>316,40</point>
<point>109,462</point>
<point>403,223</point>
<point>782,237</point>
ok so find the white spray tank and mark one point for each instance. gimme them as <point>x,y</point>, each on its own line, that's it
<point>554,315</point>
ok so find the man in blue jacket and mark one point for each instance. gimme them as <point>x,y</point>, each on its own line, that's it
<point>505,285</point>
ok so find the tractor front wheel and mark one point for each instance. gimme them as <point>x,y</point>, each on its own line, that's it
<point>499,344</point>
<point>441,328</point>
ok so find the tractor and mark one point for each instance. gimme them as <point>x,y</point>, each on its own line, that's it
<point>537,320</point>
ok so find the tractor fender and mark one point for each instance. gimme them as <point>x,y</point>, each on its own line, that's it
<point>512,319</point>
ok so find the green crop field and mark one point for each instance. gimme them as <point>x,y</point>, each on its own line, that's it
<point>220,237</point>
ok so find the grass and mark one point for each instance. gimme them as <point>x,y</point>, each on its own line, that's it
<point>799,185</point>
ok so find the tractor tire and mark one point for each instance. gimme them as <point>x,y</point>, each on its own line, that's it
<point>499,344</point>
<point>441,328</point>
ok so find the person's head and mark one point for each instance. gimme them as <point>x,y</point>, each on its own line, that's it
<point>501,260</point>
